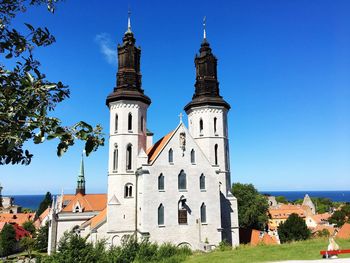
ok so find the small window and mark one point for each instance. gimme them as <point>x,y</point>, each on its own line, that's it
<point>161,182</point>
<point>116,124</point>
<point>200,126</point>
<point>216,154</point>
<point>182,184</point>
<point>128,190</point>
<point>215,121</point>
<point>193,157</point>
<point>161,214</point>
<point>170,156</point>
<point>129,157</point>
<point>202,182</point>
<point>115,159</point>
<point>203,213</point>
<point>129,122</point>
<point>142,121</point>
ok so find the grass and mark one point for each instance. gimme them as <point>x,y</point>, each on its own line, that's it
<point>302,250</point>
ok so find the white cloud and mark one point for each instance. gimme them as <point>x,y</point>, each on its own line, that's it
<point>106,47</point>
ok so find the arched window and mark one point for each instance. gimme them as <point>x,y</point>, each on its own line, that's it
<point>129,122</point>
<point>193,156</point>
<point>182,211</point>
<point>128,190</point>
<point>182,185</point>
<point>215,121</point>
<point>142,123</point>
<point>161,214</point>
<point>115,159</point>
<point>116,123</point>
<point>203,213</point>
<point>200,126</point>
<point>202,182</point>
<point>128,157</point>
<point>216,154</point>
<point>170,156</point>
<point>161,182</point>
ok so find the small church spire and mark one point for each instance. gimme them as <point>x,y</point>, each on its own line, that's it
<point>81,178</point>
<point>204,28</point>
<point>129,22</point>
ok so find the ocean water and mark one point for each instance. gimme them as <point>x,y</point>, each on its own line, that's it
<point>28,201</point>
<point>335,196</point>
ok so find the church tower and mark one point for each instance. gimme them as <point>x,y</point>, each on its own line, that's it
<point>81,179</point>
<point>127,141</point>
<point>207,114</point>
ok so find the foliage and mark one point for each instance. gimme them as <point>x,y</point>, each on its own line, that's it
<point>252,206</point>
<point>29,226</point>
<point>45,203</point>
<point>27,244</point>
<point>293,229</point>
<point>7,240</point>
<point>42,238</point>
<point>323,205</point>
<point>224,245</point>
<point>323,233</point>
<point>338,218</point>
<point>27,210</point>
<point>281,199</point>
<point>26,97</point>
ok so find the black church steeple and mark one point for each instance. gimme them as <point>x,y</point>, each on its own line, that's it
<point>128,84</point>
<point>207,85</point>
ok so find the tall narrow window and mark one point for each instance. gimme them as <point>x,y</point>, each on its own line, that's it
<point>161,182</point>
<point>216,154</point>
<point>115,159</point>
<point>129,122</point>
<point>182,212</point>
<point>215,121</point>
<point>116,123</point>
<point>203,213</point>
<point>193,156</point>
<point>142,121</point>
<point>128,157</point>
<point>128,190</point>
<point>170,156</point>
<point>200,126</point>
<point>202,182</point>
<point>182,181</point>
<point>161,214</point>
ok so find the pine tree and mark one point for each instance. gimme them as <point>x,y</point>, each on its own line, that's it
<point>7,240</point>
<point>44,204</point>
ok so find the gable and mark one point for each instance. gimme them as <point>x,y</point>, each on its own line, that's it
<point>88,202</point>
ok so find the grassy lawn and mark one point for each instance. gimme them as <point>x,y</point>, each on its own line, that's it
<point>309,249</point>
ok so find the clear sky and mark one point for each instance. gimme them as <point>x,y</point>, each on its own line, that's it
<point>284,66</point>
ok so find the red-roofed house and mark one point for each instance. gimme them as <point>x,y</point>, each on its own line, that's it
<point>344,231</point>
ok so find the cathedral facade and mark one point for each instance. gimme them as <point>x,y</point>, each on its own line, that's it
<point>176,190</point>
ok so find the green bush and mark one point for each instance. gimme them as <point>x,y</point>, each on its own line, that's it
<point>293,229</point>
<point>7,240</point>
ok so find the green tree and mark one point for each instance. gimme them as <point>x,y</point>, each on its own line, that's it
<point>26,97</point>
<point>281,199</point>
<point>252,206</point>
<point>27,244</point>
<point>7,240</point>
<point>293,229</point>
<point>42,238</point>
<point>29,226</point>
<point>338,218</point>
<point>45,203</point>
<point>322,204</point>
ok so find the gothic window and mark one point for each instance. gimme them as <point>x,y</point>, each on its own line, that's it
<point>202,182</point>
<point>182,212</point>
<point>170,156</point>
<point>161,214</point>
<point>182,185</point>
<point>161,182</point>
<point>128,190</point>
<point>115,159</point>
<point>200,126</point>
<point>193,156</point>
<point>215,121</point>
<point>116,123</point>
<point>216,154</point>
<point>142,123</point>
<point>203,213</point>
<point>129,122</point>
<point>128,157</point>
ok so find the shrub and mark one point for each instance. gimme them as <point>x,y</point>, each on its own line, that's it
<point>42,238</point>
<point>224,245</point>
<point>293,229</point>
<point>7,240</point>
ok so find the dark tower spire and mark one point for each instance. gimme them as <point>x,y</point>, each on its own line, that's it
<point>207,85</point>
<point>128,84</point>
<point>81,179</point>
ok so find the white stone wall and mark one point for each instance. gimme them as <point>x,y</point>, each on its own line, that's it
<point>193,233</point>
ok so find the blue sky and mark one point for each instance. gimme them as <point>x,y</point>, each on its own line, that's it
<point>282,65</point>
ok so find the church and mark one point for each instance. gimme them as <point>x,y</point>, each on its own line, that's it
<point>176,190</point>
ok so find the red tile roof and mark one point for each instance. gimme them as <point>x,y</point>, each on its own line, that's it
<point>18,218</point>
<point>158,146</point>
<point>88,202</point>
<point>261,237</point>
<point>284,211</point>
<point>344,231</point>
